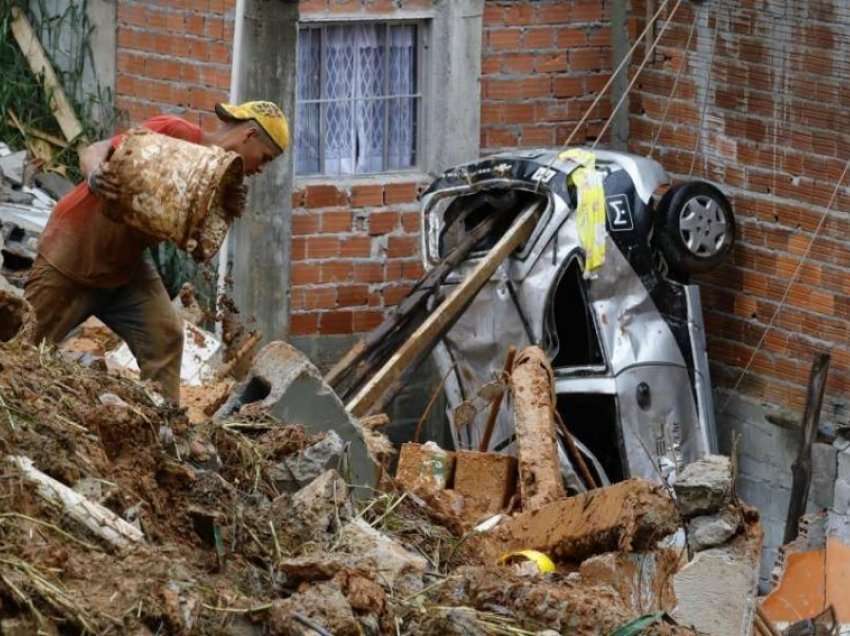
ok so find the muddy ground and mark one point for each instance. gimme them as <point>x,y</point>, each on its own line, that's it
<point>224,551</point>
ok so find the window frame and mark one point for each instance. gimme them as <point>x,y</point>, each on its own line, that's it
<point>423,22</point>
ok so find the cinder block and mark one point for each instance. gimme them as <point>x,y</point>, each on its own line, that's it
<point>425,467</point>
<point>841,501</point>
<point>486,480</point>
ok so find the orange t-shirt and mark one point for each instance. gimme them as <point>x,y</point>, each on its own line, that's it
<point>90,248</point>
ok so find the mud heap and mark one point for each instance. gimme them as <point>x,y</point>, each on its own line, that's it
<point>121,517</point>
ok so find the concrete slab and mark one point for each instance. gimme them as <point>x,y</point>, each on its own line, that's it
<point>629,516</point>
<point>716,592</point>
<point>284,383</point>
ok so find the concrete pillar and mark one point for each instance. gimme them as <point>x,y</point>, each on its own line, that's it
<point>454,109</point>
<point>260,244</point>
<point>620,45</point>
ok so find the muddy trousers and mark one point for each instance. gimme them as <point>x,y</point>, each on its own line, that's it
<point>140,312</point>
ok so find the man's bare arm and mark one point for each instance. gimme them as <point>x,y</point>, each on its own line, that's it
<point>94,168</point>
<point>92,156</point>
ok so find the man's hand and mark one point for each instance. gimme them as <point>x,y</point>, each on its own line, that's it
<point>103,184</point>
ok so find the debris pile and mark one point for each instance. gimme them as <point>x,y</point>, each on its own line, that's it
<point>26,199</point>
<point>120,516</point>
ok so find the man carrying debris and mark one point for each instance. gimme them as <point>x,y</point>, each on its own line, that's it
<point>89,265</point>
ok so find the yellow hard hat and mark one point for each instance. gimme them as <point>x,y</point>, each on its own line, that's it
<point>544,563</point>
<point>267,114</point>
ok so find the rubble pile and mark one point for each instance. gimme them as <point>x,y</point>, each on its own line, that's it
<point>120,516</point>
<point>27,198</point>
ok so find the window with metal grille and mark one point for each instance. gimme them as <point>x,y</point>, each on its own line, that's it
<point>358,98</point>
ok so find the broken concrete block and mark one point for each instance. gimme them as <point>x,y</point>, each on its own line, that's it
<point>284,383</point>
<point>716,591</point>
<point>453,621</point>
<point>540,479</point>
<point>642,579</point>
<point>323,604</point>
<point>705,486</point>
<point>425,468</point>
<point>629,516</point>
<point>299,469</point>
<point>843,457</point>
<point>398,567</point>
<point>311,514</point>
<point>487,481</point>
<point>708,531</point>
<point>824,468</point>
<point>841,497</point>
<point>12,167</point>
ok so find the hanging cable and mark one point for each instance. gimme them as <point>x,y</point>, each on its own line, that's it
<point>646,59</point>
<point>682,67</point>
<point>791,282</point>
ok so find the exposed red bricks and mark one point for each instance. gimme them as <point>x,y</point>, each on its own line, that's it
<point>173,55</point>
<point>778,191</point>
<point>539,58</point>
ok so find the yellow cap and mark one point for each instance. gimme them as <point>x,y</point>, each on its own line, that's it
<point>544,563</point>
<point>267,114</point>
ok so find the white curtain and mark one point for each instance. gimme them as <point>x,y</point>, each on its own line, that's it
<point>364,127</point>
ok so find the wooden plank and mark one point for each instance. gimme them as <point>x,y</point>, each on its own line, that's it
<point>40,66</point>
<point>443,317</point>
<point>801,469</point>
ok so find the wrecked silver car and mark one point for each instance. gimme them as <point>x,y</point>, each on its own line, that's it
<point>626,344</point>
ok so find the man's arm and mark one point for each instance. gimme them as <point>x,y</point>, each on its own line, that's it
<point>93,167</point>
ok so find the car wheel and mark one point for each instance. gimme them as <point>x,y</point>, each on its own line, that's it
<point>696,227</point>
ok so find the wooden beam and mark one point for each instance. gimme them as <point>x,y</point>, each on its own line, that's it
<point>801,469</point>
<point>40,66</point>
<point>444,316</point>
<point>98,519</point>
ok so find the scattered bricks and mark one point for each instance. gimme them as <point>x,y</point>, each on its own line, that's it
<point>367,196</point>
<point>705,486</point>
<point>324,196</point>
<point>400,193</point>
<point>540,479</point>
<point>425,468</point>
<point>486,480</point>
<point>709,531</point>
<point>629,516</point>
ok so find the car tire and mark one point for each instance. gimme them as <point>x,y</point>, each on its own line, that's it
<point>695,228</point>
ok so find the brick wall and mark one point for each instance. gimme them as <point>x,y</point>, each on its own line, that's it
<point>776,137</point>
<point>543,62</point>
<point>355,252</point>
<point>355,247</point>
<point>173,57</point>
